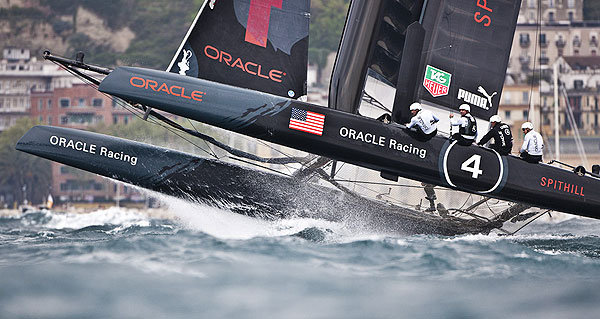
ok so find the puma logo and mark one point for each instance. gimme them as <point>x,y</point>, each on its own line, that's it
<point>211,4</point>
<point>481,90</point>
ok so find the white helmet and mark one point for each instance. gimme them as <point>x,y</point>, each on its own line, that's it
<point>527,125</point>
<point>495,118</point>
<point>416,106</point>
<point>465,107</point>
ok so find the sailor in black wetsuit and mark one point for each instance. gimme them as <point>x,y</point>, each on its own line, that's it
<point>467,126</point>
<point>500,132</point>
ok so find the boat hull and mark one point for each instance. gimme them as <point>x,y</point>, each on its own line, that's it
<point>239,189</point>
<point>361,141</point>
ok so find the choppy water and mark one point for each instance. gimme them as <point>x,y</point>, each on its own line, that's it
<point>209,263</point>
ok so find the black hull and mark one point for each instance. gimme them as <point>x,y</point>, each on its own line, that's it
<point>361,141</point>
<point>241,190</point>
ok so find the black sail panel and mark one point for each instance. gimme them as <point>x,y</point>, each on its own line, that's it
<point>256,44</point>
<point>466,52</point>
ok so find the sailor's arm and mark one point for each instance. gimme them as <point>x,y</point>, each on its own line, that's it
<point>413,122</point>
<point>486,137</point>
<point>525,145</point>
<point>461,121</point>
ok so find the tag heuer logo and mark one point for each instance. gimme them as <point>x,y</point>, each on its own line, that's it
<point>436,81</point>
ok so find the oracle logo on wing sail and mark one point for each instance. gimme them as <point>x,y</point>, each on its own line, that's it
<point>173,90</point>
<point>249,67</point>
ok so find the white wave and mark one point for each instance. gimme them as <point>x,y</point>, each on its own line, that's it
<point>225,224</point>
<point>110,216</point>
<point>145,263</point>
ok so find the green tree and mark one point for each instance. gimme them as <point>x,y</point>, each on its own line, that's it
<point>24,174</point>
<point>327,23</point>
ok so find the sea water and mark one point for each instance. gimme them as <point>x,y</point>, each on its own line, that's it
<point>201,262</point>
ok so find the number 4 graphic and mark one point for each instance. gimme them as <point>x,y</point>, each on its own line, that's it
<point>476,161</point>
<point>259,17</point>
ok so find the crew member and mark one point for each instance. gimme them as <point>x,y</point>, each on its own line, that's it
<point>500,132</point>
<point>467,126</point>
<point>533,145</point>
<point>424,123</point>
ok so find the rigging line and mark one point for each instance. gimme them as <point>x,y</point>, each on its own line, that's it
<point>135,111</point>
<point>258,165</point>
<point>373,101</point>
<point>531,221</point>
<point>205,142</point>
<point>538,29</point>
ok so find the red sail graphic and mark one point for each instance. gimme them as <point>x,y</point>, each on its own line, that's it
<point>258,21</point>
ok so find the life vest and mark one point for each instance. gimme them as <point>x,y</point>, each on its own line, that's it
<point>470,130</point>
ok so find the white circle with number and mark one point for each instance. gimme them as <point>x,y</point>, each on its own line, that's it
<point>473,168</point>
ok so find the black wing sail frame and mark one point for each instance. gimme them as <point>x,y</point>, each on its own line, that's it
<point>446,52</point>
<point>467,47</point>
<point>256,44</point>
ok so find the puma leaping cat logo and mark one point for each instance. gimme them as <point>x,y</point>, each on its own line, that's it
<point>211,4</point>
<point>481,90</point>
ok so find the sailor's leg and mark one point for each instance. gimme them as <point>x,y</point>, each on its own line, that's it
<point>430,195</point>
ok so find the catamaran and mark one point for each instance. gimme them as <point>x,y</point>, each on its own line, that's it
<point>242,67</point>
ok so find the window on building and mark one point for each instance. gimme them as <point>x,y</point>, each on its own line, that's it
<point>571,3</point>
<point>542,38</point>
<point>64,120</point>
<point>126,119</point>
<point>64,170</point>
<point>81,101</point>
<point>40,119</point>
<point>49,120</point>
<point>578,84</point>
<point>525,97</point>
<point>40,104</point>
<point>115,119</point>
<point>506,97</point>
<point>551,16</point>
<point>1,103</point>
<point>526,115</point>
<point>97,102</point>
<point>507,115</point>
<point>571,16</point>
<point>531,3</point>
<point>524,38</point>
<point>115,102</point>
<point>64,102</point>
<point>49,104</point>
<point>551,3</point>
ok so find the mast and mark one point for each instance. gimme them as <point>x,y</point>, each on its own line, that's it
<point>556,128</point>
<point>350,69</point>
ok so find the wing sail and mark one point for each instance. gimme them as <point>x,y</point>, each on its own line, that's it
<point>255,44</point>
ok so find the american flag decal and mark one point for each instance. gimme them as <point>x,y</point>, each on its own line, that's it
<point>307,121</point>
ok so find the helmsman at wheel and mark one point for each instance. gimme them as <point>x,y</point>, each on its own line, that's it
<point>423,121</point>
<point>501,135</point>
<point>467,126</point>
<point>533,145</point>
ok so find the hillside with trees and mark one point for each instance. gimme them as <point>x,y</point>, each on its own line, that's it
<point>134,32</point>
